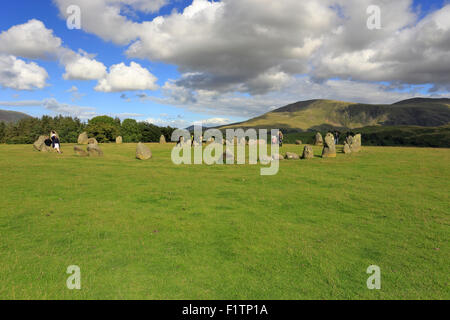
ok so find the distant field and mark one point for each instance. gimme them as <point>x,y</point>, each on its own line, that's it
<point>153,230</point>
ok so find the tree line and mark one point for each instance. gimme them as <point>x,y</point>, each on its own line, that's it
<point>104,128</point>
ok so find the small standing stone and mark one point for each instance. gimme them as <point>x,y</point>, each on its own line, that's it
<point>94,150</point>
<point>83,138</point>
<point>143,152</point>
<point>92,141</point>
<point>292,156</point>
<point>318,140</point>
<point>347,149</point>
<point>39,144</point>
<point>79,151</point>
<point>329,150</point>
<point>308,153</point>
<point>119,140</point>
<point>162,139</point>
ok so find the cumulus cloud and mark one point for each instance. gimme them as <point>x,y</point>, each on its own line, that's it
<point>20,75</point>
<point>82,67</point>
<point>56,107</point>
<point>34,41</point>
<point>107,18</point>
<point>127,78</point>
<point>174,123</point>
<point>213,122</point>
<point>257,46</point>
<point>299,89</point>
<point>30,40</point>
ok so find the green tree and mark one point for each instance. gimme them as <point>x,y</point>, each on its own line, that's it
<point>131,131</point>
<point>2,131</point>
<point>103,128</point>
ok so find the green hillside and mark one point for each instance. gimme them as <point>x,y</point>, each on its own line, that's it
<point>327,114</point>
<point>12,116</point>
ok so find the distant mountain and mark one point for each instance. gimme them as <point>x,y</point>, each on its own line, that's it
<point>12,116</point>
<point>327,114</point>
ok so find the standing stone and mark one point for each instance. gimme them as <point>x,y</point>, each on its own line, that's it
<point>298,142</point>
<point>94,150</point>
<point>329,150</point>
<point>308,153</point>
<point>265,159</point>
<point>80,152</point>
<point>143,152</point>
<point>83,138</point>
<point>39,144</point>
<point>355,146</point>
<point>318,140</point>
<point>347,149</point>
<point>292,156</point>
<point>92,141</point>
<point>227,155</point>
<point>119,140</point>
<point>162,140</point>
<point>277,157</point>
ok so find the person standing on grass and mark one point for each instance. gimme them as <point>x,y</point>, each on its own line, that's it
<point>336,137</point>
<point>280,138</point>
<point>55,142</point>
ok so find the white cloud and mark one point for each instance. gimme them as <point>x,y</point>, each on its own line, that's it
<point>20,75</point>
<point>81,67</point>
<point>298,89</point>
<point>34,41</point>
<point>56,107</point>
<point>247,46</point>
<point>30,40</point>
<point>107,19</point>
<point>174,123</point>
<point>127,78</point>
<point>213,122</point>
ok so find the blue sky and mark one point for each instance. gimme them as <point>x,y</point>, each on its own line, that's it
<point>183,95</point>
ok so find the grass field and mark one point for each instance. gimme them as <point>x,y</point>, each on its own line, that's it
<point>153,230</point>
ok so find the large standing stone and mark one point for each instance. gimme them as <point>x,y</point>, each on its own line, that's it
<point>83,138</point>
<point>94,150</point>
<point>308,152</point>
<point>355,146</point>
<point>318,140</point>
<point>162,140</point>
<point>143,152</point>
<point>39,144</point>
<point>329,149</point>
<point>79,151</point>
<point>292,156</point>
<point>347,149</point>
<point>119,140</point>
<point>92,141</point>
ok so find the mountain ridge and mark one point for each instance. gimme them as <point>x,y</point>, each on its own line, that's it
<point>321,114</point>
<point>12,116</point>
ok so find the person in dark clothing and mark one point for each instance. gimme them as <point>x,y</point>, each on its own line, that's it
<point>336,137</point>
<point>280,138</point>
<point>55,142</point>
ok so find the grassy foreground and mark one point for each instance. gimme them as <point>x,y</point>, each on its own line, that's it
<point>153,230</point>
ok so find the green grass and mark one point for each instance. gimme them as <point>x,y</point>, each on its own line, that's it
<point>153,230</point>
